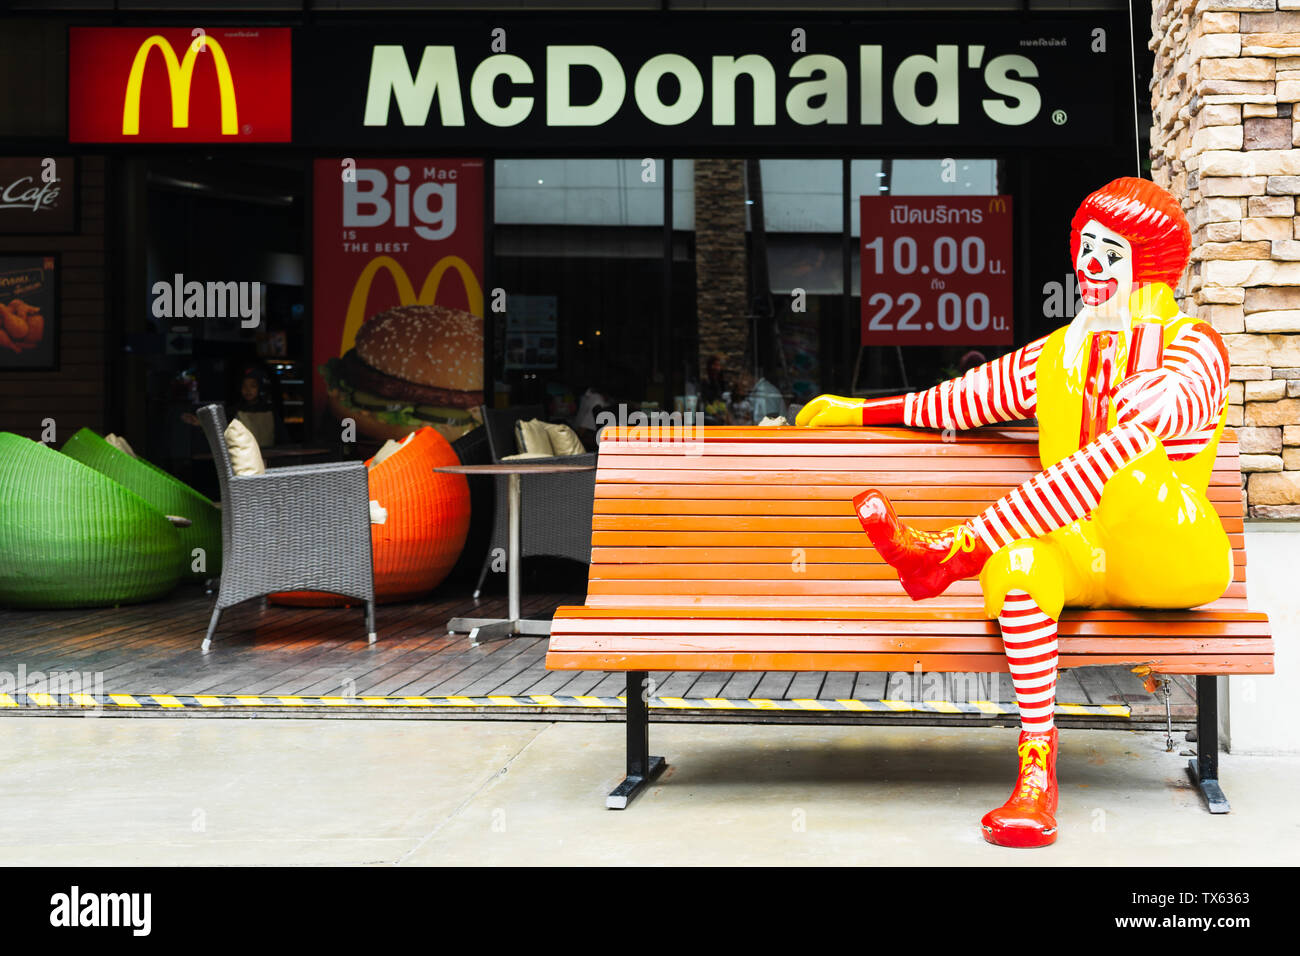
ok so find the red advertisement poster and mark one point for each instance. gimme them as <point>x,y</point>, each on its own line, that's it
<point>179,85</point>
<point>936,270</point>
<point>29,312</point>
<point>397,293</point>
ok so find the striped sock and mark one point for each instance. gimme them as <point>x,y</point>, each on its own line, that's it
<point>1029,638</point>
<point>1064,493</point>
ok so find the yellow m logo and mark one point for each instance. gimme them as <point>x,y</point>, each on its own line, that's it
<point>356,313</point>
<point>997,204</point>
<point>180,76</point>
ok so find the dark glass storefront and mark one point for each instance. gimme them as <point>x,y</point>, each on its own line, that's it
<point>627,257</point>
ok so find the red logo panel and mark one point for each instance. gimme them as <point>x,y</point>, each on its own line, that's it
<point>179,85</point>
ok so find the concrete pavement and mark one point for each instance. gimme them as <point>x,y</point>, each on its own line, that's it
<point>125,791</point>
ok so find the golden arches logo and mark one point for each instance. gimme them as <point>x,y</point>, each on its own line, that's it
<point>180,77</point>
<point>997,204</point>
<point>406,295</point>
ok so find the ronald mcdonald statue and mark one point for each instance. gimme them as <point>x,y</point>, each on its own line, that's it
<point>1130,400</point>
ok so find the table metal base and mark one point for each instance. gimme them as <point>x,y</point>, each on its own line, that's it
<point>494,628</point>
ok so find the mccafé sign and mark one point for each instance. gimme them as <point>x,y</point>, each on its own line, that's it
<point>37,194</point>
<point>179,85</point>
<point>709,81</point>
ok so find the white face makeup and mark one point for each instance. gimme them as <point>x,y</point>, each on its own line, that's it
<point>1105,268</point>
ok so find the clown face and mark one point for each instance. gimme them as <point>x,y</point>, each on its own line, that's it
<point>1105,268</point>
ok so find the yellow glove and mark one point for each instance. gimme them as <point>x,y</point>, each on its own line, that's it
<point>831,411</point>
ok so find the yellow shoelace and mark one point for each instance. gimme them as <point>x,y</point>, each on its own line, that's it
<point>1032,751</point>
<point>963,539</point>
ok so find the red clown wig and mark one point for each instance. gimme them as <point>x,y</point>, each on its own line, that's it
<point>1149,218</point>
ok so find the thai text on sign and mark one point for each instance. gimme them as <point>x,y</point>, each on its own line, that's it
<point>936,270</point>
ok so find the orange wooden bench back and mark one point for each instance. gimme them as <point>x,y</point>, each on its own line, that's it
<point>762,517</point>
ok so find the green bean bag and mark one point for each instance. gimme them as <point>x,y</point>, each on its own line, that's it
<point>72,537</point>
<point>164,492</point>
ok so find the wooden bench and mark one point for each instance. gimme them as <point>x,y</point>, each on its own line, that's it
<point>738,550</point>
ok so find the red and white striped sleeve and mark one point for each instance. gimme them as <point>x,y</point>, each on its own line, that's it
<point>1003,390</point>
<point>1180,402</point>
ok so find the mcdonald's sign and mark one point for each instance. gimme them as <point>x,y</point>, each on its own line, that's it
<point>179,85</point>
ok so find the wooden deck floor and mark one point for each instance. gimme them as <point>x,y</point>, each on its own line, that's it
<point>265,653</point>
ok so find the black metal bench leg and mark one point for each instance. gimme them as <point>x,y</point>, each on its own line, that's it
<point>1204,770</point>
<point>642,768</point>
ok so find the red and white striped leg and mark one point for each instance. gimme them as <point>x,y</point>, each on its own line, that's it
<point>1029,638</point>
<point>1028,818</point>
<point>1065,492</point>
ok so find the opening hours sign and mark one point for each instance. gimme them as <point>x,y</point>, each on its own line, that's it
<point>936,270</point>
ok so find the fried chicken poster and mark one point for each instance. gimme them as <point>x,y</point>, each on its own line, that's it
<point>27,313</point>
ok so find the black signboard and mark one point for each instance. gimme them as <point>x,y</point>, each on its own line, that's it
<point>704,83</point>
<point>37,195</point>
<point>29,318</point>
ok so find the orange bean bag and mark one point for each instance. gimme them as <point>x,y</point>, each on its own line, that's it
<point>428,518</point>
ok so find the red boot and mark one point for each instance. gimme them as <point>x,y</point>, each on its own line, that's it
<point>1028,818</point>
<point>926,562</point>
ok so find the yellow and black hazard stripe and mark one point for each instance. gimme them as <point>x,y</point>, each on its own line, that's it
<point>986,708</point>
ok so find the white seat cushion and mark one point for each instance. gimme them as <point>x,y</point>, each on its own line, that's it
<point>245,455</point>
<point>532,438</point>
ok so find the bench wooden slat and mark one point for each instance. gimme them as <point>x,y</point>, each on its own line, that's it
<point>926,449</point>
<point>1159,661</point>
<point>984,494</point>
<point>853,464</point>
<point>883,480</point>
<point>819,436</point>
<point>682,577</point>
<point>873,434</point>
<point>843,520</point>
<point>969,611</point>
<point>913,644</point>
<point>688,604</point>
<point>804,446</point>
<point>752,555</point>
<point>840,540</point>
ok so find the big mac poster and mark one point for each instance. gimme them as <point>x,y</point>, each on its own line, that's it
<point>398,294</point>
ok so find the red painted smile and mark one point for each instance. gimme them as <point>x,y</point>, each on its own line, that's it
<point>1095,291</point>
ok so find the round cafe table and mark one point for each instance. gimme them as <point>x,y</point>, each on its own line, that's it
<point>484,628</point>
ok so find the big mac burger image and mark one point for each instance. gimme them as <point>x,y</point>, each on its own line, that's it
<point>411,366</point>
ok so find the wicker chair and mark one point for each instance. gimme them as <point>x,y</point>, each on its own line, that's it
<point>555,510</point>
<point>305,528</point>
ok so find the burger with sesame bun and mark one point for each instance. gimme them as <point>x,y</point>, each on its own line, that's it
<point>411,366</point>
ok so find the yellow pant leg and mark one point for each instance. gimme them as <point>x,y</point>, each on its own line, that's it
<point>1152,541</point>
<point>1042,567</point>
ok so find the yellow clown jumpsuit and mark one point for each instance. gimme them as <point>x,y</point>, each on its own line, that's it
<point>1153,540</point>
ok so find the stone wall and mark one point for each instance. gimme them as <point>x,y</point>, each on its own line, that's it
<point>721,298</point>
<point>1223,139</point>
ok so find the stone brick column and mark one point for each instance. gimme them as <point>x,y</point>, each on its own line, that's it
<point>720,266</point>
<point>1226,81</point>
